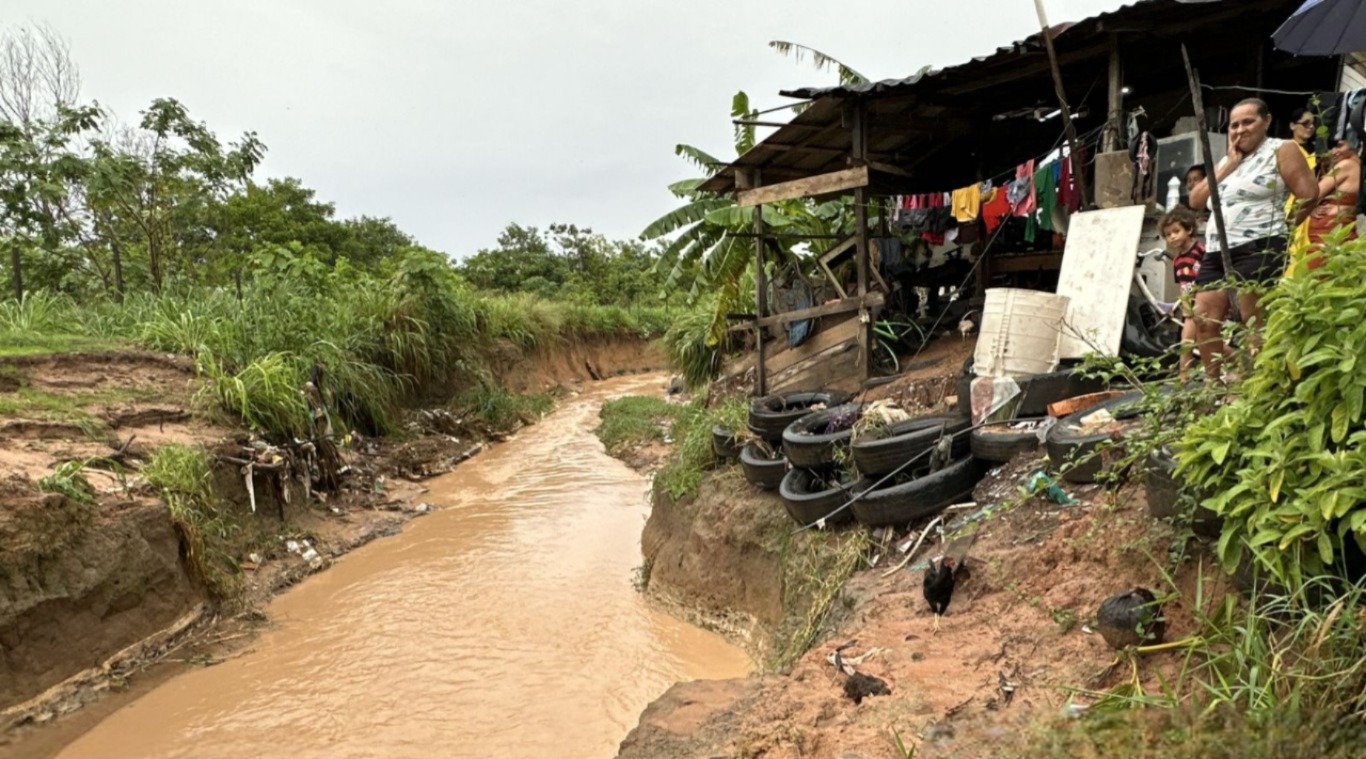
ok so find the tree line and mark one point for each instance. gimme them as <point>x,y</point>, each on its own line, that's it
<point>90,206</point>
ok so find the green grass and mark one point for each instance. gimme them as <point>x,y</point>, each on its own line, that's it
<point>816,565</point>
<point>42,404</point>
<point>68,480</point>
<point>500,409</point>
<point>682,475</point>
<point>633,420</point>
<point>183,476</point>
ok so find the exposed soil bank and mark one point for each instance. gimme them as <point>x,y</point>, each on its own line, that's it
<point>719,555</point>
<point>1010,651</point>
<point>91,594</point>
<point>563,364</point>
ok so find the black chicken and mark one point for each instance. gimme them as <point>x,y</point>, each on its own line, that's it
<point>1133,618</point>
<point>939,580</point>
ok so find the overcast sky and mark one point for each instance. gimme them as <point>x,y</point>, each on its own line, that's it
<point>456,117</point>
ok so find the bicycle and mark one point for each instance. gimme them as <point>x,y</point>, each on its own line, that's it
<point>890,336</point>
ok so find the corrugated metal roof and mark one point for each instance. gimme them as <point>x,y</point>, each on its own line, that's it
<point>1032,43</point>
<point>948,127</point>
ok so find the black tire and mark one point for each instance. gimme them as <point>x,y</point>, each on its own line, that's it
<point>998,443</point>
<point>1038,391</point>
<point>724,443</point>
<point>804,443</point>
<point>907,440</point>
<point>770,415</point>
<point>899,505</point>
<point>1163,493</point>
<point>762,472</point>
<point>806,506</point>
<point>1067,444</point>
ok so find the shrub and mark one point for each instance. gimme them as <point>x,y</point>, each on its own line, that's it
<point>1284,461</point>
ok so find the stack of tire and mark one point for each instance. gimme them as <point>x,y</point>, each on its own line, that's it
<point>816,485</point>
<point>763,460</point>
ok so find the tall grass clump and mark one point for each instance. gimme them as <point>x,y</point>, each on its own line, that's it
<point>635,419</point>
<point>691,348</point>
<point>36,312</point>
<point>183,476</point>
<point>693,454</point>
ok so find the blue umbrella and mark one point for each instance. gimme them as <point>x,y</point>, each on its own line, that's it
<point>1324,27</point>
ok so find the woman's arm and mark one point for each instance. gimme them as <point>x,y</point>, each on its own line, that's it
<point>1298,177</point>
<point>1199,196</point>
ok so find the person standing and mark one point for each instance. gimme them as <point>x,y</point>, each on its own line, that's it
<point>1302,128</point>
<point>1178,229</point>
<point>1337,206</point>
<point>1255,179</point>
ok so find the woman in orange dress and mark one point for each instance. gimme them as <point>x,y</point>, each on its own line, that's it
<point>1338,202</point>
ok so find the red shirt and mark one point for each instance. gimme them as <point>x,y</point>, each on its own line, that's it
<point>1186,265</point>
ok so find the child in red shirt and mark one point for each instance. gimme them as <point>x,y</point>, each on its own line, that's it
<point>1178,228</point>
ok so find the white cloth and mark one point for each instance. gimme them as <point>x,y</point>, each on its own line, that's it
<point>1253,198</point>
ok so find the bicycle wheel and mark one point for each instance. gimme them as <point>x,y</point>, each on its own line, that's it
<point>885,361</point>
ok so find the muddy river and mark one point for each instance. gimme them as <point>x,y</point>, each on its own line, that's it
<point>502,625</point>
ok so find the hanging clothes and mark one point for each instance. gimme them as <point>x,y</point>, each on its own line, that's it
<point>1021,191</point>
<point>996,209</point>
<point>1068,197</point>
<point>1046,194</point>
<point>967,203</point>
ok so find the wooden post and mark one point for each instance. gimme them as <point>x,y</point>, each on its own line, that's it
<point>760,300</point>
<point>1072,143</point>
<point>1115,117</point>
<point>860,155</point>
<point>1216,209</point>
<point>15,273</point>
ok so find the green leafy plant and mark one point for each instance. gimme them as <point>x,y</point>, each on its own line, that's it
<point>1283,462</point>
<point>184,478</point>
<point>68,480</point>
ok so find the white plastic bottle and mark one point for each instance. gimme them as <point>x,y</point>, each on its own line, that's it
<point>1173,193</point>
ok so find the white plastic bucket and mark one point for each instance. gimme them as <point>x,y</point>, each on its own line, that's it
<point>1019,333</point>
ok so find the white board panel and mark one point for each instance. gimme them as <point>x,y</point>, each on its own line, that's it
<point>1097,271</point>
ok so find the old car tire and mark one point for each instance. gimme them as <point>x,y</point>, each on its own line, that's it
<point>998,443</point>
<point>1066,444</point>
<point>907,440</point>
<point>806,445</point>
<point>760,471</point>
<point>771,414</point>
<point>724,443</point>
<point>806,506</point>
<point>921,497</point>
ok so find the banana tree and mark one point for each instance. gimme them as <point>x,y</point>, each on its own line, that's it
<point>706,239</point>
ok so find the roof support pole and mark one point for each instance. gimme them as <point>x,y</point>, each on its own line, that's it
<point>1115,118</point>
<point>1216,206</point>
<point>760,300</point>
<point>1073,145</point>
<point>860,156</point>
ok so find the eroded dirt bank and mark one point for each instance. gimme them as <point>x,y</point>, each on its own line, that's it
<point>94,590</point>
<point>1013,648</point>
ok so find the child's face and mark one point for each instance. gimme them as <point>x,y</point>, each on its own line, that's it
<point>1194,178</point>
<point>1178,237</point>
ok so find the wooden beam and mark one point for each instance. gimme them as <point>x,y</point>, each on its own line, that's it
<point>872,300</point>
<point>860,155</point>
<point>827,336</point>
<point>1115,99</point>
<point>810,187</point>
<point>761,301</point>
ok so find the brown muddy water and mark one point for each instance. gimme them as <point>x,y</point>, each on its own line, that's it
<point>504,624</point>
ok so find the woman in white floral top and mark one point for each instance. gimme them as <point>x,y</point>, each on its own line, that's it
<point>1255,179</point>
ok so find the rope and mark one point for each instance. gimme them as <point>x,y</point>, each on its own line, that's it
<point>901,468</point>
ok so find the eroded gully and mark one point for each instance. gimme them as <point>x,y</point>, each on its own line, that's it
<point>502,625</point>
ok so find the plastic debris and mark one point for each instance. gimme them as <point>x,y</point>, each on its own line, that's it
<point>1039,480</point>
